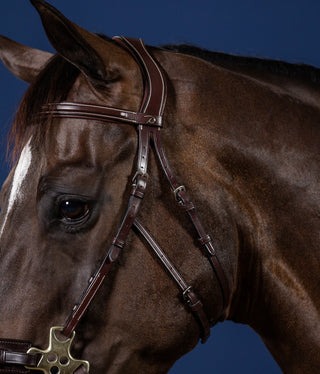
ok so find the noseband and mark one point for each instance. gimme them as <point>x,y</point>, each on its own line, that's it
<point>149,123</point>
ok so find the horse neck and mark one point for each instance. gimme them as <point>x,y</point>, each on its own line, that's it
<point>295,86</point>
<point>255,150</point>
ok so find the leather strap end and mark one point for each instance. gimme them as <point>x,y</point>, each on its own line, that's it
<point>204,240</point>
<point>17,358</point>
<point>14,356</point>
<point>136,193</point>
<point>115,250</point>
<point>188,206</point>
<point>196,307</point>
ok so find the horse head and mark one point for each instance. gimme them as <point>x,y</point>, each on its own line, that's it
<point>244,140</point>
<point>63,202</point>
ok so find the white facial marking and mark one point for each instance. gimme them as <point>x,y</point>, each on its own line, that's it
<point>20,173</point>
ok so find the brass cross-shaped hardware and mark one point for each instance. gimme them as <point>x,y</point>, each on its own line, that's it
<point>57,359</point>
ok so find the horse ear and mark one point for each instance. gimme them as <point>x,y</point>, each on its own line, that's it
<point>88,51</point>
<point>24,62</point>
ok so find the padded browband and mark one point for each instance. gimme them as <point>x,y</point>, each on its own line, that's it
<point>99,112</point>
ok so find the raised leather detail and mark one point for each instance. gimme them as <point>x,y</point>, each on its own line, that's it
<point>98,112</point>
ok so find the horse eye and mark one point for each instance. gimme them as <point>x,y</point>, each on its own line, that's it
<point>73,209</point>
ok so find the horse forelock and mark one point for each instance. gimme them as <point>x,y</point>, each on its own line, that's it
<point>52,85</point>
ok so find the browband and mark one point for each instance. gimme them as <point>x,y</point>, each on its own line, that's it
<point>99,113</point>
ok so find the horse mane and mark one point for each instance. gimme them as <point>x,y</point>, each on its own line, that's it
<point>52,85</point>
<point>303,72</point>
<point>300,71</point>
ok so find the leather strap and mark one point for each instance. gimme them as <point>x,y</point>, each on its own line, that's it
<point>184,201</point>
<point>153,102</point>
<point>14,356</point>
<point>152,106</point>
<point>155,94</point>
<point>189,296</point>
<point>96,281</point>
<point>152,70</point>
<point>99,113</point>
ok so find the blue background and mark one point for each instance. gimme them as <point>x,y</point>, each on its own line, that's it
<point>282,29</point>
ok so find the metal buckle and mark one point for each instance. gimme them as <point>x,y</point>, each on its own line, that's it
<point>176,192</point>
<point>151,119</point>
<point>56,359</point>
<point>141,174</point>
<point>185,294</point>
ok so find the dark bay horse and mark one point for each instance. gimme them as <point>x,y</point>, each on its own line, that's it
<point>242,135</point>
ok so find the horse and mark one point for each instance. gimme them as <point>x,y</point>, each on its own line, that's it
<point>242,134</point>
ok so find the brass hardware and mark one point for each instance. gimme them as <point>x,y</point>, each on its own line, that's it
<point>56,359</point>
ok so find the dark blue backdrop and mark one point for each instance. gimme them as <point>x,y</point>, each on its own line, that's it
<point>280,29</point>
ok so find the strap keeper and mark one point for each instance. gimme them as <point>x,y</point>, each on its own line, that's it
<point>196,306</point>
<point>139,184</point>
<point>115,250</point>
<point>205,240</point>
<point>189,206</point>
<point>210,249</point>
<point>136,193</point>
<point>118,243</point>
<point>191,299</point>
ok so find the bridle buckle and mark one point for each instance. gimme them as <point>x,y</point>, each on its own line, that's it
<point>137,174</point>
<point>186,293</point>
<point>176,193</point>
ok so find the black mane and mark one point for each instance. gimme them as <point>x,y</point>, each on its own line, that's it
<point>57,78</point>
<point>303,72</point>
<point>296,71</point>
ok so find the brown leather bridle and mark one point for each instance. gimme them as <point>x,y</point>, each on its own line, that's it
<point>149,123</point>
